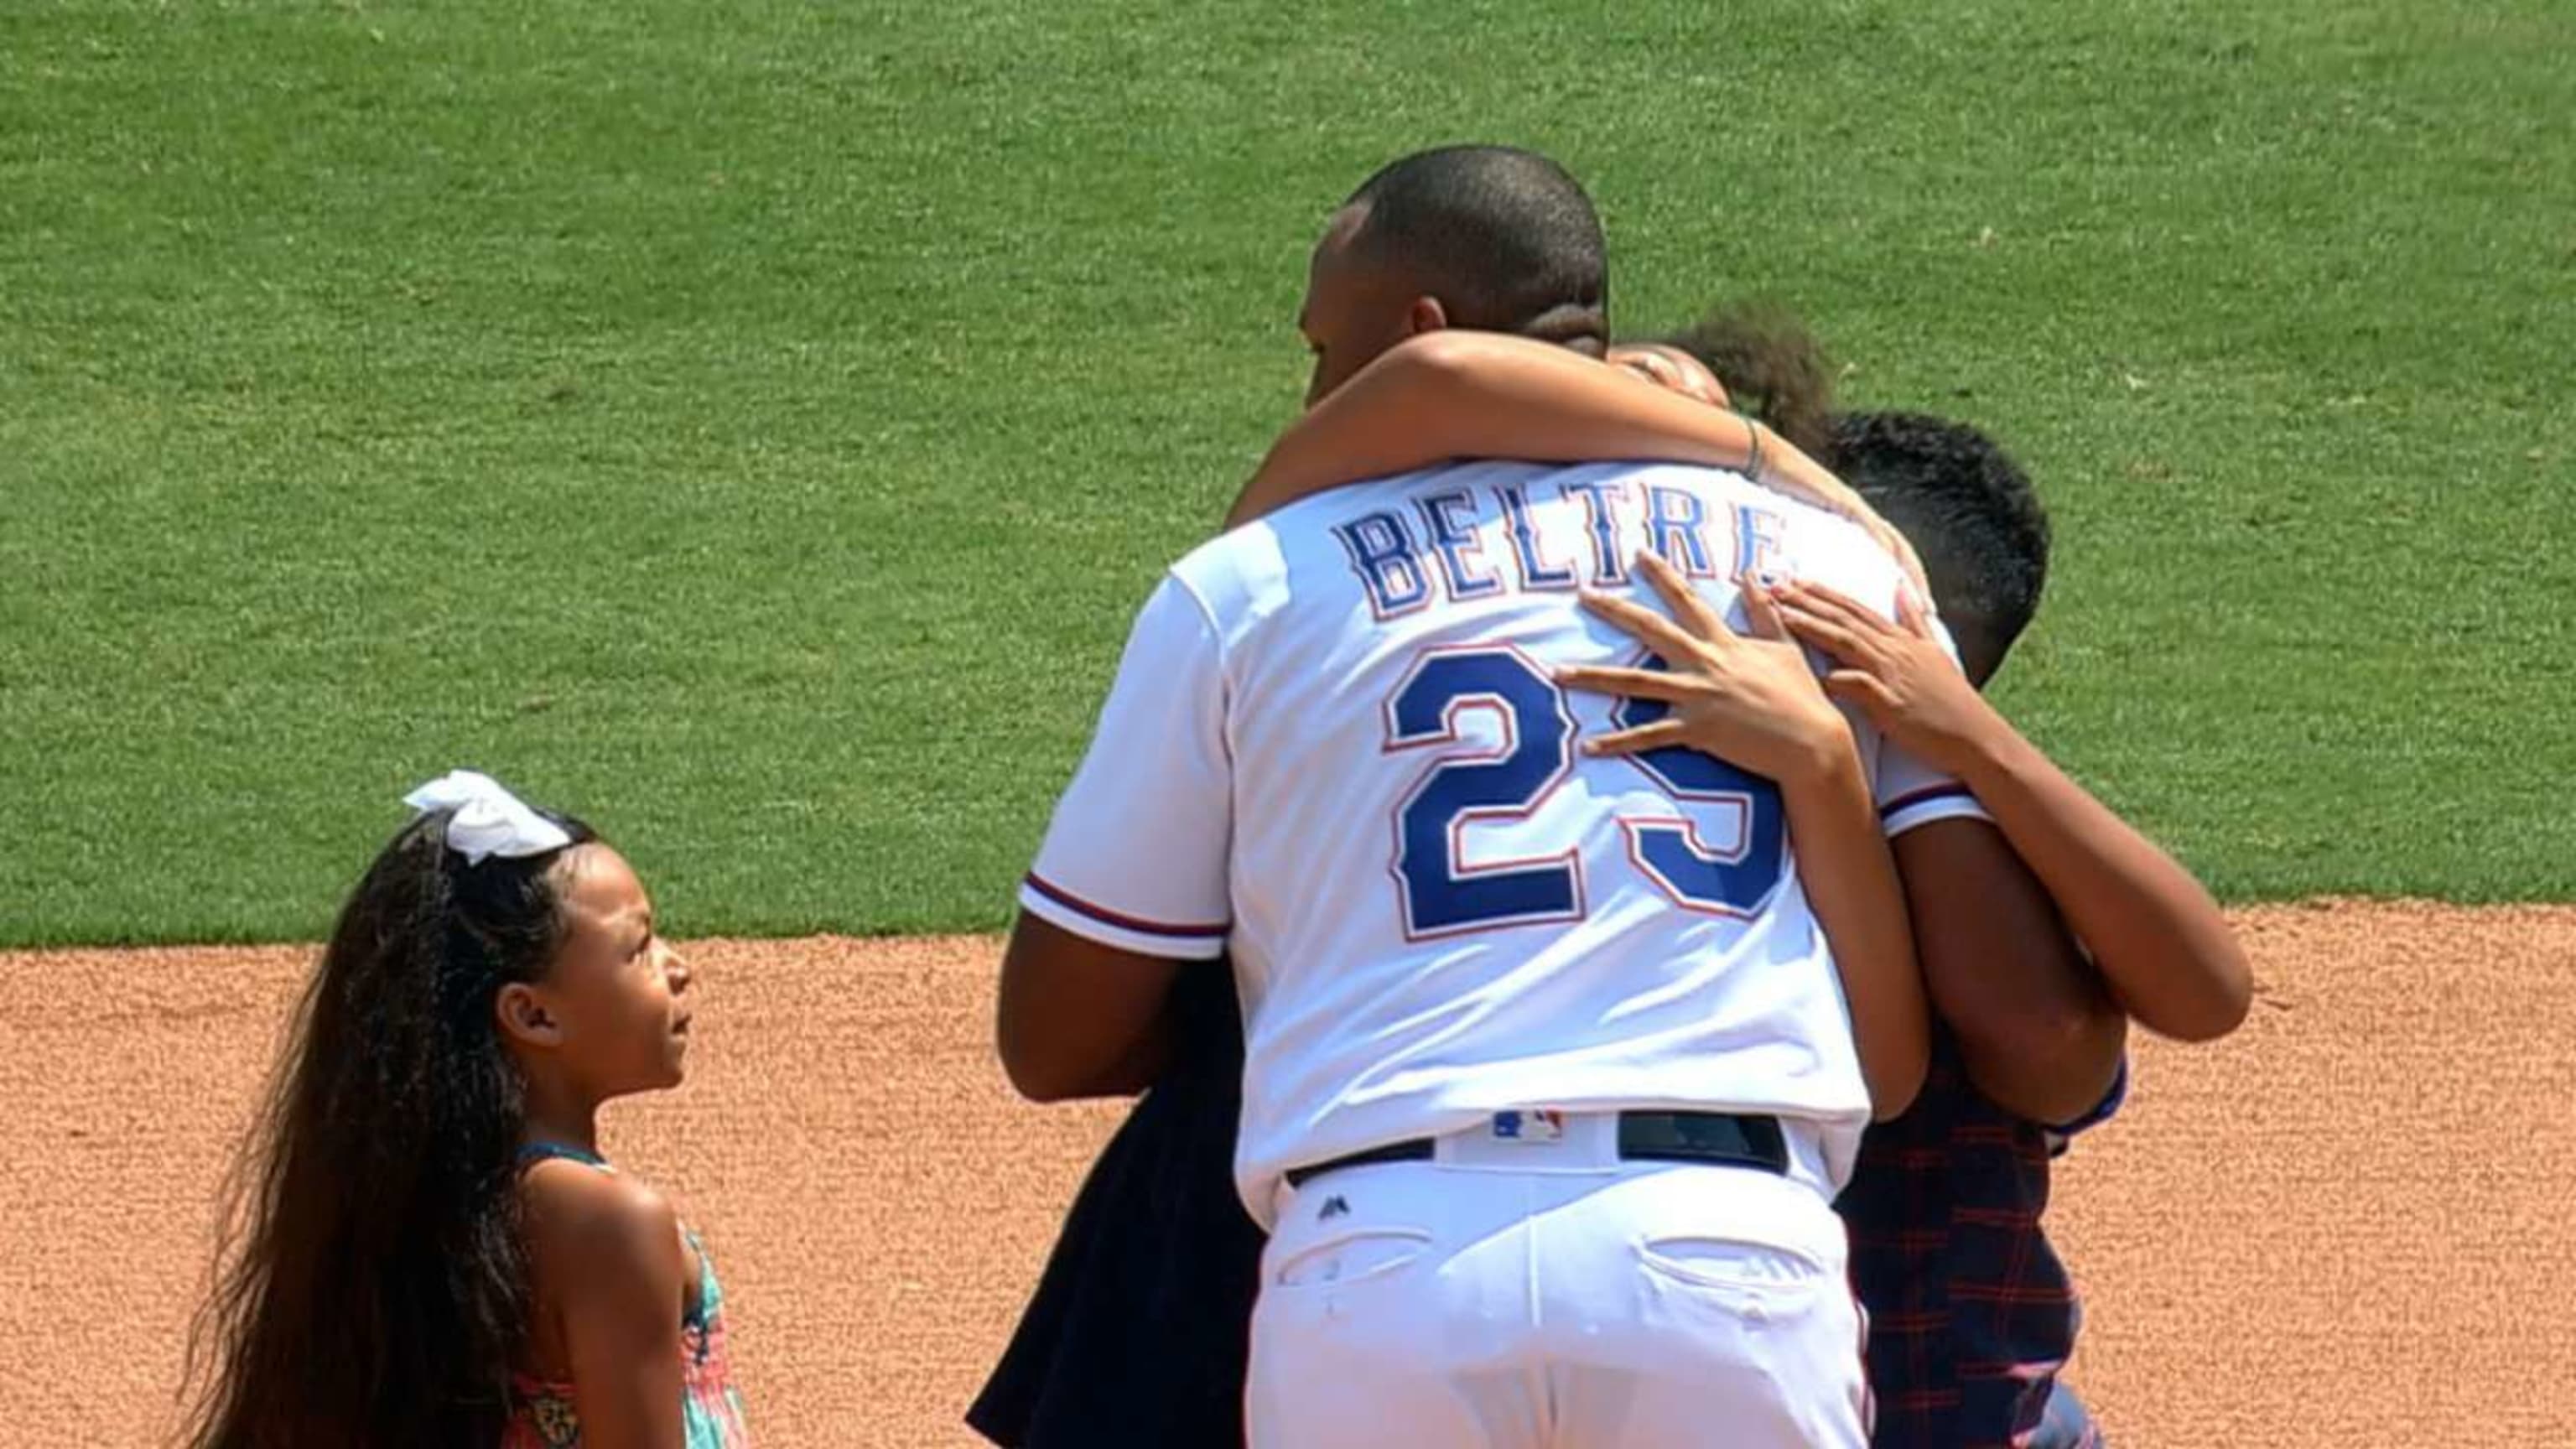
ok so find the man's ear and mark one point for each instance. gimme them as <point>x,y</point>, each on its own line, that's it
<point>1425,315</point>
<point>523,1017</point>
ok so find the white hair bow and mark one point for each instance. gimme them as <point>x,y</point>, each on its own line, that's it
<point>489,820</point>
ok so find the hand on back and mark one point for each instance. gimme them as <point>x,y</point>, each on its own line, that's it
<point>1749,699</point>
<point>1897,673</point>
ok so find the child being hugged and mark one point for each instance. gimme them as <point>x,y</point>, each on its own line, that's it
<point>432,1250</point>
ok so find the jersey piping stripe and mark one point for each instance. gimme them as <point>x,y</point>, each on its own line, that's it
<point>1925,797</point>
<point>1108,917</point>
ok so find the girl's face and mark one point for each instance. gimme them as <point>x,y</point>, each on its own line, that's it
<point>614,1008</point>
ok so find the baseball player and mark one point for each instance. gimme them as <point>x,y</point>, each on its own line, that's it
<point>1972,1312</point>
<point>1152,1281</point>
<point>1550,1079</point>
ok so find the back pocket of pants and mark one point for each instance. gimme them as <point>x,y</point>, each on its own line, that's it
<point>1754,1271</point>
<point>1359,1256</point>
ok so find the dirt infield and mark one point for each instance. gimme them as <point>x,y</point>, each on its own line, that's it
<point>2344,1227</point>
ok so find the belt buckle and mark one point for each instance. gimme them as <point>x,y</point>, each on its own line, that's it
<point>1534,1126</point>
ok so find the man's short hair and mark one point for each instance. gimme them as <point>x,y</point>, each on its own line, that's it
<point>1969,511</point>
<point>1504,238</point>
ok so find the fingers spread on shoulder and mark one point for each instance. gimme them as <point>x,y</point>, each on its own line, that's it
<point>1656,736</point>
<point>1835,605</point>
<point>1862,688</point>
<point>1635,683</point>
<point>1685,601</point>
<point>1657,632</point>
<point>1826,633</point>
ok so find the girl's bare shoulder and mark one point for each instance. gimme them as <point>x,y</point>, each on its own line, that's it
<point>583,1219</point>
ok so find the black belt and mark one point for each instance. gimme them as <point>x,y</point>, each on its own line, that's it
<point>1725,1138</point>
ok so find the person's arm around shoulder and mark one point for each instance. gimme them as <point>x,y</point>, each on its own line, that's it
<point>1455,393</point>
<point>2158,941</point>
<point>1079,1018</point>
<point>608,1253</point>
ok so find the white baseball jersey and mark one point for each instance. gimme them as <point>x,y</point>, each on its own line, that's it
<point>1334,748</point>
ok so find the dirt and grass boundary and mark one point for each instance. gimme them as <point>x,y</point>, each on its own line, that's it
<point>2343,1226</point>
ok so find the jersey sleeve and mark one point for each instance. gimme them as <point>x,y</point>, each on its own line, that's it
<point>1136,856</point>
<point>1912,793</point>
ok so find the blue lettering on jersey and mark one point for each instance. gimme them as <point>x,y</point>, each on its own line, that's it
<point>1535,574</point>
<point>1675,521</point>
<point>1757,540</point>
<point>1456,544</point>
<point>1733,877</point>
<point>1607,566</point>
<point>1445,541</point>
<point>1442,894</point>
<point>1388,559</point>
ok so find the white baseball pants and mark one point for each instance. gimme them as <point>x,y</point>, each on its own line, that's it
<point>1519,1295</point>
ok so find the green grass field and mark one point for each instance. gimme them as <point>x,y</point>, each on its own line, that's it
<point>751,424</point>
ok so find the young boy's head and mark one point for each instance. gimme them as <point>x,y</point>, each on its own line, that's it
<point>1969,511</point>
<point>1964,504</point>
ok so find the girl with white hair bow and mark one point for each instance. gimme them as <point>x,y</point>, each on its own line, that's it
<point>432,1250</point>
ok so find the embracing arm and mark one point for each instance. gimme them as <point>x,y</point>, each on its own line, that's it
<point>1132,883</point>
<point>1851,882</point>
<point>2170,958</point>
<point>1456,394</point>
<point>2155,934</point>
<point>2037,1031</point>
<point>1078,1018</point>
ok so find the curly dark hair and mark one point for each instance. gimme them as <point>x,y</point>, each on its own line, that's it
<point>1969,510</point>
<point>1964,503</point>
<point>372,1286</point>
<point>1773,368</point>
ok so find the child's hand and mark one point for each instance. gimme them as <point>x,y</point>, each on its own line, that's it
<point>1896,672</point>
<point>1751,701</point>
<point>1786,470</point>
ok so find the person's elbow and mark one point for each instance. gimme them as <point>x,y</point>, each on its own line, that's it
<point>1049,1073</point>
<point>1036,1072</point>
<point>2220,994</point>
<point>2047,1062</point>
<point>1041,1059</point>
<point>1893,1088</point>
<point>1044,1063</point>
<point>1075,1018</point>
<point>1041,1077</point>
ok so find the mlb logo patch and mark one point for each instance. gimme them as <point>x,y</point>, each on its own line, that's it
<point>1545,1124</point>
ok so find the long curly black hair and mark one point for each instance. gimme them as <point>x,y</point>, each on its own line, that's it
<point>1773,368</point>
<point>372,1286</point>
